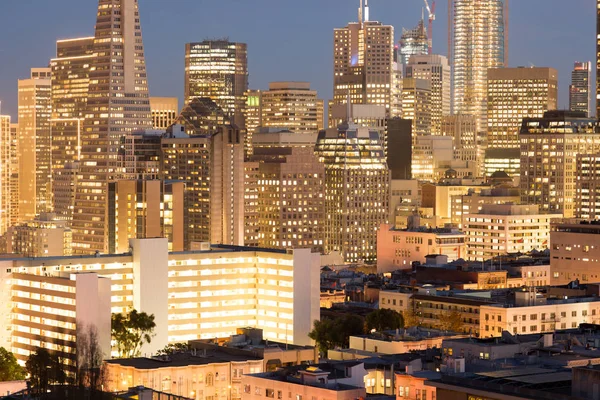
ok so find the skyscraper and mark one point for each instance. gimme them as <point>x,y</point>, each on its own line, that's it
<point>8,175</point>
<point>356,189</point>
<point>435,69</point>
<point>514,94</point>
<point>164,111</point>
<point>597,57</point>
<point>70,83</point>
<point>35,154</point>
<point>365,64</point>
<point>218,69</point>
<point>580,89</point>
<point>478,40</point>
<point>414,42</point>
<point>117,104</point>
<point>204,151</point>
<point>416,105</point>
<point>253,117</point>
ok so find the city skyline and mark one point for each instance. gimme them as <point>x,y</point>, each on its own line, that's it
<point>307,56</point>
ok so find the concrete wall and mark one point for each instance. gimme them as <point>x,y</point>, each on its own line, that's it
<point>307,269</point>
<point>92,307</point>
<point>150,286</point>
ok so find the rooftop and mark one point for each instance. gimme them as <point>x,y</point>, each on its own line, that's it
<point>183,359</point>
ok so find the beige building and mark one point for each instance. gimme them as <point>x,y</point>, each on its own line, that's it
<point>356,190</point>
<point>286,180</point>
<point>70,84</point>
<point>364,65</point>
<point>427,308</point>
<point>309,383</point>
<point>35,144</point>
<point>293,106</point>
<point>472,202</point>
<point>439,197</point>
<point>211,165</point>
<point>119,58</point>
<point>400,341</point>
<point>435,69</point>
<point>142,209</point>
<point>253,117</point>
<point>218,70</point>
<point>198,375</point>
<point>538,316</point>
<point>45,236</point>
<point>549,149</point>
<point>498,229</point>
<point>514,94</point>
<point>9,175</point>
<point>56,312</point>
<point>163,110</point>
<point>575,252</point>
<point>417,105</point>
<point>469,144</point>
<point>201,294</point>
<point>397,249</point>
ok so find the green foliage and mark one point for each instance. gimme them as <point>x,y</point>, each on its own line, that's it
<point>451,321</point>
<point>384,319</point>
<point>173,348</point>
<point>131,331</point>
<point>331,333</point>
<point>45,368</point>
<point>9,369</point>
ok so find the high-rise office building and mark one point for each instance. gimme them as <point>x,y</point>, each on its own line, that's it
<point>218,69</point>
<point>365,64</point>
<point>209,159</point>
<point>288,180</point>
<point>35,153</point>
<point>356,189</point>
<point>469,145</point>
<point>253,117</point>
<point>414,42</point>
<point>14,176</point>
<point>580,89</point>
<point>587,191</point>
<point>478,40</point>
<point>514,94</point>
<point>416,105</point>
<point>549,150</point>
<point>112,111</point>
<point>293,106</point>
<point>597,105</point>
<point>8,175</point>
<point>70,83</point>
<point>436,70</point>
<point>164,110</point>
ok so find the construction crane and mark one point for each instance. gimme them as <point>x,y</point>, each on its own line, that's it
<point>431,12</point>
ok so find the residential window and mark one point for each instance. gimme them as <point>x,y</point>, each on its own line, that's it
<point>247,389</point>
<point>279,395</point>
<point>533,317</point>
<point>563,314</point>
<point>533,328</point>
<point>573,324</point>
<point>584,313</point>
<point>257,390</point>
<point>270,393</point>
<point>514,318</point>
<point>573,313</point>
<point>424,394</point>
<point>400,391</point>
<point>499,318</point>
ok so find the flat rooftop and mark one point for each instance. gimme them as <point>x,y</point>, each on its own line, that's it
<point>183,359</point>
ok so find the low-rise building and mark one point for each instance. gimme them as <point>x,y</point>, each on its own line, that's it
<point>498,229</point>
<point>401,341</point>
<point>345,383</point>
<point>197,374</point>
<point>411,385</point>
<point>399,248</point>
<point>575,251</point>
<point>534,314</point>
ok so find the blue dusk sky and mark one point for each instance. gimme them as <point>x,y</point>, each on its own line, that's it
<point>287,39</point>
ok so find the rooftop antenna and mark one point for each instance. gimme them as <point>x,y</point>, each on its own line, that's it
<point>366,10</point>
<point>360,12</point>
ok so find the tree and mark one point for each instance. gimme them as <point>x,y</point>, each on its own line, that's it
<point>451,321</point>
<point>411,318</point>
<point>91,372</point>
<point>45,368</point>
<point>9,369</point>
<point>331,333</point>
<point>131,331</point>
<point>172,348</point>
<point>384,319</point>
